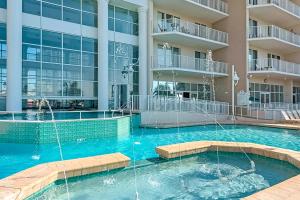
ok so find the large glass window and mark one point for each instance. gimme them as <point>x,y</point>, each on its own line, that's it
<point>3,69</point>
<point>54,66</point>
<point>3,4</point>
<point>265,93</point>
<point>32,7</point>
<point>75,11</point>
<point>123,71</point>
<point>122,20</point>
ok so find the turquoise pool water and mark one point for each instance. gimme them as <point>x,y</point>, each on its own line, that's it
<point>192,178</point>
<point>140,144</point>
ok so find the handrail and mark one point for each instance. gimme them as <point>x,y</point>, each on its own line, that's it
<point>189,63</point>
<point>266,31</point>
<point>190,28</point>
<point>270,64</point>
<point>214,4</point>
<point>284,4</point>
<point>175,104</point>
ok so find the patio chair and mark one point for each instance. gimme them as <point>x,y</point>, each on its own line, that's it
<point>290,114</point>
<point>296,115</point>
<point>285,115</point>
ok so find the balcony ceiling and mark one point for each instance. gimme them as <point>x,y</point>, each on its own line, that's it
<point>274,15</point>
<point>191,9</point>
<point>189,40</point>
<point>188,72</point>
<point>274,45</point>
<point>273,74</point>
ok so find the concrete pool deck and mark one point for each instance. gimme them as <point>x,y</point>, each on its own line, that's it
<point>289,189</point>
<point>26,183</point>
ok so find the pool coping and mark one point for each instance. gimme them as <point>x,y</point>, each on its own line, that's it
<point>25,183</point>
<point>288,189</point>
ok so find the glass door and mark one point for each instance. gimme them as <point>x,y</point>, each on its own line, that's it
<point>265,97</point>
<point>120,96</point>
<point>253,60</point>
<point>200,58</point>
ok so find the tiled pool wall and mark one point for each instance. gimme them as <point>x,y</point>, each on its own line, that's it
<point>43,132</point>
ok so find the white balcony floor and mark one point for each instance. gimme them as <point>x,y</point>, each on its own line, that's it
<point>189,40</point>
<point>192,9</point>
<point>273,14</point>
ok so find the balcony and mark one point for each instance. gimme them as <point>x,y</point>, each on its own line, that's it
<point>285,13</point>
<point>275,67</point>
<point>274,38</point>
<point>189,34</point>
<point>188,65</point>
<point>209,10</point>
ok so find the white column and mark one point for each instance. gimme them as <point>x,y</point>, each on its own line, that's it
<point>103,54</point>
<point>14,55</point>
<point>143,48</point>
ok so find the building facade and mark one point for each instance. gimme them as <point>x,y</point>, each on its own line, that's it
<point>96,54</point>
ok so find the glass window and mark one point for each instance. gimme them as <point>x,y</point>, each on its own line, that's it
<point>89,59</point>
<point>72,72</point>
<point>3,50</point>
<point>31,69</point>
<point>72,42</point>
<point>31,52</point>
<point>32,36</point>
<point>51,87</point>
<point>71,88</point>
<point>121,13</point>
<point>89,19</point>
<point>54,1</point>
<point>2,32</point>
<point>3,4</point>
<point>52,55</point>
<point>72,4</point>
<point>89,89</point>
<point>89,44</point>
<point>89,73</point>
<point>71,15</point>
<point>52,39</point>
<point>72,57</point>
<point>32,7</point>
<point>90,6</point>
<point>52,11</point>
<point>51,71</point>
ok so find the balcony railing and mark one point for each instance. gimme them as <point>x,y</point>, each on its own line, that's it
<point>287,5</point>
<point>188,63</point>
<point>275,65</point>
<point>181,26</point>
<point>274,31</point>
<point>214,4</point>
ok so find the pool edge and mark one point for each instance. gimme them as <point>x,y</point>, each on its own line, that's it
<point>25,183</point>
<point>288,189</point>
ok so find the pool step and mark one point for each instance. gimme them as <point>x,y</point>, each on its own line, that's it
<point>25,183</point>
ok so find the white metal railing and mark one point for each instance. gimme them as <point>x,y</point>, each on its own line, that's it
<point>276,106</point>
<point>182,26</point>
<point>188,63</point>
<point>215,4</point>
<point>266,31</point>
<point>269,64</point>
<point>258,113</point>
<point>287,5</point>
<point>168,104</point>
<point>60,115</point>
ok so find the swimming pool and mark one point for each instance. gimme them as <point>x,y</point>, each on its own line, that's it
<point>192,178</point>
<point>140,144</point>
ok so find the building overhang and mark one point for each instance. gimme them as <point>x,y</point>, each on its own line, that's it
<point>274,14</point>
<point>189,72</point>
<point>273,74</point>
<point>189,40</point>
<point>192,9</point>
<point>274,44</point>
